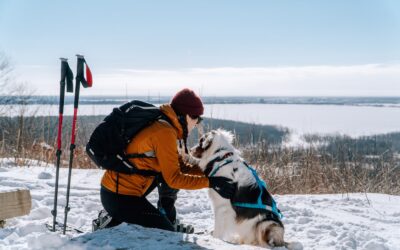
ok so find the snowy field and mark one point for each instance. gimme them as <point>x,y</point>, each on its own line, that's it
<point>354,221</point>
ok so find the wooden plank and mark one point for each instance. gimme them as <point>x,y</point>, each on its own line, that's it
<point>15,203</point>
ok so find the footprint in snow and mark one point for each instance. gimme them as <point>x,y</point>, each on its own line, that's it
<point>45,176</point>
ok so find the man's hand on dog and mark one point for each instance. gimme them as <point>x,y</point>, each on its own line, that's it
<point>223,186</point>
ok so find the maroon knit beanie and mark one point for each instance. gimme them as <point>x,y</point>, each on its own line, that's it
<point>186,102</point>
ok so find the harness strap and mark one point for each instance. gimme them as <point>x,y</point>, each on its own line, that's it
<point>254,205</point>
<point>218,167</point>
<point>210,165</point>
<point>261,185</point>
<point>210,172</point>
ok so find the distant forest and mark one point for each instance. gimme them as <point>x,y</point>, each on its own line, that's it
<point>44,129</point>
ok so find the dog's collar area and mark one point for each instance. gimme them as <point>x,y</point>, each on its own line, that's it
<point>210,165</point>
<point>219,150</point>
<point>219,167</point>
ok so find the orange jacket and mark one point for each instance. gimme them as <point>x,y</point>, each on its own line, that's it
<point>161,138</point>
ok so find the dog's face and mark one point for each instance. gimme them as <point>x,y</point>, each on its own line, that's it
<point>204,144</point>
<point>210,142</point>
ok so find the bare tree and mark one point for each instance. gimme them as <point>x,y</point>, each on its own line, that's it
<point>5,81</point>
<point>5,69</point>
<point>14,100</point>
<point>8,87</point>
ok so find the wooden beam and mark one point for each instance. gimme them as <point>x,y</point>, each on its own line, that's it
<point>15,203</point>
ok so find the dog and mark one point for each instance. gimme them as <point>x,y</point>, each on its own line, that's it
<point>245,219</point>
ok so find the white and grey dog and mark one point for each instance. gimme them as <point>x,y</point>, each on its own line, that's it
<point>251,216</point>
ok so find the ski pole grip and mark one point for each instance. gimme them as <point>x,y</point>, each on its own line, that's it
<point>64,65</point>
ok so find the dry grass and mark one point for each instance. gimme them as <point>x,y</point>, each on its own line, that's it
<point>306,171</point>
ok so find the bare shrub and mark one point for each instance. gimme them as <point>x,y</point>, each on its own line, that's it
<point>307,170</point>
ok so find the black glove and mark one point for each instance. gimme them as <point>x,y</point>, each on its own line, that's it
<point>223,186</point>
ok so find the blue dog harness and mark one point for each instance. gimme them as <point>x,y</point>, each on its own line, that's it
<point>260,205</point>
<point>226,162</point>
<point>261,185</point>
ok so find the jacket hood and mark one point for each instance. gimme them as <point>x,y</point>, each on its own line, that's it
<point>170,113</point>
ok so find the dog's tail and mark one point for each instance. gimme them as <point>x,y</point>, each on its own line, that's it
<point>270,233</point>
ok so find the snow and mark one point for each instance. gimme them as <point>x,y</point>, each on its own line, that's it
<point>351,221</point>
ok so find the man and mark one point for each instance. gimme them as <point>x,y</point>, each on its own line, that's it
<point>124,196</point>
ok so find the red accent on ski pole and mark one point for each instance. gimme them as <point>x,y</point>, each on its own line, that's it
<point>59,134</point>
<point>74,126</point>
<point>89,77</point>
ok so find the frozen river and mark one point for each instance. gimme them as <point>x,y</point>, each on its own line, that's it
<point>350,120</point>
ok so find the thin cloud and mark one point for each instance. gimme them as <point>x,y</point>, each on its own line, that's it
<point>325,80</point>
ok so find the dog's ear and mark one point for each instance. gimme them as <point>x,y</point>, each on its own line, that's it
<point>208,141</point>
<point>228,135</point>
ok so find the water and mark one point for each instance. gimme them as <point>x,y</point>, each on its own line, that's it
<point>300,119</point>
<point>351,120</point>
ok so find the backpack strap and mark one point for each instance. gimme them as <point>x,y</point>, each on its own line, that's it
<point>120,164</point>
<point>135,170</point>
<point>151,154</point>
<point>164,118</point>
<point>148,154</point>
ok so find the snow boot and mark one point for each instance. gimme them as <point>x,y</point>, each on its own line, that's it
<point>183,228</point>
<point>104,220</point>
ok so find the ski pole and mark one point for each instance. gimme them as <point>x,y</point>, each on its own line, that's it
<point>85,83</point>
<point>66,76</point>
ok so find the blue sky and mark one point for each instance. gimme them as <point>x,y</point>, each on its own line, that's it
<point>221,47</point>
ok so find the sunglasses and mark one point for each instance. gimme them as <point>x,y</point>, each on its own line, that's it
<point>199,118</point>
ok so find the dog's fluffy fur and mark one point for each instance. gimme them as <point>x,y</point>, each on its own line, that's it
<point>233,224</point>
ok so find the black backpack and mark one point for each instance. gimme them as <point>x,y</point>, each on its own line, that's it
<point>108,141</point>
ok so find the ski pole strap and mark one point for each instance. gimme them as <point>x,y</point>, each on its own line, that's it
<point>88,81</point>
<point>66,75</point>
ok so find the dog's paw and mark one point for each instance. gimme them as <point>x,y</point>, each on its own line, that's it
<point>294,245</point>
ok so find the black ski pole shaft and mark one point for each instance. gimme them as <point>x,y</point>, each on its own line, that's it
<point>73,134</point>
<point>64,77</point>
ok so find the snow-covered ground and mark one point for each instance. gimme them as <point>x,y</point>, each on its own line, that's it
<point>354,221</point>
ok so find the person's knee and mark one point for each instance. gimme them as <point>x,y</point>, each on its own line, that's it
<point>166,191</point>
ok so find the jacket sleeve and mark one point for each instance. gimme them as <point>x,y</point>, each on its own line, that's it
<point>167,156</point>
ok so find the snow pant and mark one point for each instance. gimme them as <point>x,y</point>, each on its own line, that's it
<point>138,210</point>
<point>166,201</point>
